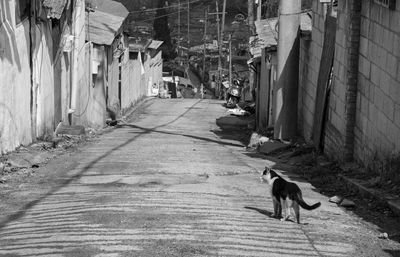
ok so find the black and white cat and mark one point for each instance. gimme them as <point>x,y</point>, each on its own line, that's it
<point>285,195</point>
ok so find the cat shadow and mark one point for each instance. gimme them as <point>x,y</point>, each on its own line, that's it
<point>269,214</point>
<point>264,212</point>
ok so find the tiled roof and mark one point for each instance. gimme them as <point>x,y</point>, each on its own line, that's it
<point>55,8</point>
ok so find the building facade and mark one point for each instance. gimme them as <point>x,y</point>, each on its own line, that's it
<point>359,103</point>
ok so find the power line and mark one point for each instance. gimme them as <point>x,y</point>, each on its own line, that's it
<point>167,7</point>
<point>169,14</point>
<point>295,13</point>
<point>156,17</point>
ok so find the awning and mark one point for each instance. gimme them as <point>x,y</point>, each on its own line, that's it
<point>105,22</point>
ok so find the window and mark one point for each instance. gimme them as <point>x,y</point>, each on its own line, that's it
<point>21,10</point>
<point>391,4</point>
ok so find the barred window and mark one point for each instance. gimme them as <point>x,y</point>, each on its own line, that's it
<point>391,4</point>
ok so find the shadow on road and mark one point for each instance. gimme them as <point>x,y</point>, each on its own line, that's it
<point>393,253</point>
<point>263,212</point>
<point>19,214</point>
<point>150,130</point>
<point>235,128</point>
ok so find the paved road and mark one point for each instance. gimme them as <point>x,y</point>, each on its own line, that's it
<point>172,183</point>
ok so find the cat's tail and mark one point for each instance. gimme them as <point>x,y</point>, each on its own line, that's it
<point>304,205</point>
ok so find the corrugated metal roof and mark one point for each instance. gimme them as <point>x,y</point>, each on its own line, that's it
<point>155,44</point>
<point>111,7</point>
<point>267,36</point>
<point>267,33</point>
<point>138,44</point>
<point>102,27</point>
<point>55,8</point>
<point>105,22</point>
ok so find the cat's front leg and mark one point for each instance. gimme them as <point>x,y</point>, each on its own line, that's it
<point>277,209</point>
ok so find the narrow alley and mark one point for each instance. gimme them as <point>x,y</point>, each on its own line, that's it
<point>170,182</point>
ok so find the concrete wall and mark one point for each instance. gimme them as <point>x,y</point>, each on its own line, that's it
<point>155,72</point>
<point>127,94</point>
<point>62,87</point>
<point>43,78</point>
<point>91,111</point>
<point>15,80</point>
<point>137,80</point>
<point>27,93</point>
<point>377,127</point>
<point>112,80</point>
<point>137,76</point>
<point>310,58</point>
<point>62,78</point>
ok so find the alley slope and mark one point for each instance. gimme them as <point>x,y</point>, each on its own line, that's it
<point>172,183</point>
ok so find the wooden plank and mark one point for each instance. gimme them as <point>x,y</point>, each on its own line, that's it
<point>326,63</point>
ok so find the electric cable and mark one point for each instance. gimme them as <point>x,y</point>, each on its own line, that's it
<point>296,13</point>
<point>167,7</point>
<point>156,17</point>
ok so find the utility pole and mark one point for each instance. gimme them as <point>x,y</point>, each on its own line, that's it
<point>250,15</point>
<point>219,39</point>
<point>219,49</point>
<point>222,37</point>
<point>223,20</point>
<point>188,23</point>
<point>76,28</point>
<point>179,27</point>
<point>259,6</point>
<point>285,96</point>
<point>188,32</point>
<point>204,44</point>
<point>230,59</point>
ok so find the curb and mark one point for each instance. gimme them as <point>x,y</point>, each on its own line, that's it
<point>393,204</point>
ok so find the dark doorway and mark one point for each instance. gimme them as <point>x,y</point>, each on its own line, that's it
<point>172,89</point>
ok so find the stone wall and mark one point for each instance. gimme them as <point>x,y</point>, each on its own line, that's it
<point>364,105</point>
<point>377,127</point>
<point>339,134</point>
